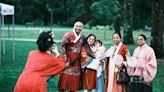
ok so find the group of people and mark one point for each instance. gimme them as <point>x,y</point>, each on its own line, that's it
<point>95,70</point>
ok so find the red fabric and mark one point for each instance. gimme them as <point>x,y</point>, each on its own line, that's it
<point>106,75</point>
<point>116,86</point>
<point>119,87</point>
<point>89,76</point>
<point>71,80</point>
<point>39,66</point>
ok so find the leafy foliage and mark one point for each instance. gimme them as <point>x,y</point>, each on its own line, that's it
<point>105,11</point>
<point>92,12</point>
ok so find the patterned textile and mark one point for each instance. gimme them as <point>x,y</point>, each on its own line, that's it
<point>70,79</point>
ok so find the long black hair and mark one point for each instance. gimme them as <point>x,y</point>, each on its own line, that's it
<point>86,45</point>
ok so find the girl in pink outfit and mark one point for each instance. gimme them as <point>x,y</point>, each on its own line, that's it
<point>143,74</point>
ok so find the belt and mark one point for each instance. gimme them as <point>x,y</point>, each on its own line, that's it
<point>139,79</point>
<point>136,79</point>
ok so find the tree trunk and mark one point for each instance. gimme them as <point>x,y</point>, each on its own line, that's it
<point>117,24</point>
<point>128,37</point>
<point>157,32</point>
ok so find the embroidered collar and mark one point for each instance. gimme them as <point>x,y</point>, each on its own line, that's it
<point>77,37</point>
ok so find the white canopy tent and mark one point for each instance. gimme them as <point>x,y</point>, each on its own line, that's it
<point>6,9</point>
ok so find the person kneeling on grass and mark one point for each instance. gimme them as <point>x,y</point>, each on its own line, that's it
<point>40,64</point>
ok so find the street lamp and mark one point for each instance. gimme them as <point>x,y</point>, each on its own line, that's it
<point>51,16</point>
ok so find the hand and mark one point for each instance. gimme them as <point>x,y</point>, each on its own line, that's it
<point>67,65</point>
<point>93,48</point>
<point>127,53</point>
<point>55,50</point>
<point>121,66</point>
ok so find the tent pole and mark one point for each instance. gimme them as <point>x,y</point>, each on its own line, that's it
<point>0,38</point>
<point>3,34</point>
<point>13,20</point>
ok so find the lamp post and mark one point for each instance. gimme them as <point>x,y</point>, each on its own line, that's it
<point>51,16</point>
<point>51,19</point>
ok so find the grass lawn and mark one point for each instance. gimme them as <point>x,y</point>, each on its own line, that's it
<point>11,69</point>
<point>32,32</point>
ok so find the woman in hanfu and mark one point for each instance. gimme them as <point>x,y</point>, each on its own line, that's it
<point>40,64</point>
<point>144,72</point>
<point>89,75</point>
<point>112,68</point>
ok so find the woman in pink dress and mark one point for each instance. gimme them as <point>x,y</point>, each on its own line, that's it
<point>40,64</point>
<point>144,72</point>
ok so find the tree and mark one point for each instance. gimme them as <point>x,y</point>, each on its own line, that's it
<point>72,11</point>
<point>105,12</point>
<point>127,36</point>
<point>157,28</point>
<point>117,25</point>
<point>142,10</point>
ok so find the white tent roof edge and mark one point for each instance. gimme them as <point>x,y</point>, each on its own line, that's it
<point>6,9</point>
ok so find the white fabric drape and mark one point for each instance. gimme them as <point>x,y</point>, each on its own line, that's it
<point>112,65</point>
<point>77,37</point>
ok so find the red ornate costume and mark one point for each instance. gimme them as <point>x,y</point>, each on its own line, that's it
<point>70,79</point>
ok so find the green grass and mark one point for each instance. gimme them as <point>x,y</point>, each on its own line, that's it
<point>32,32</point>
<point>11,69</point>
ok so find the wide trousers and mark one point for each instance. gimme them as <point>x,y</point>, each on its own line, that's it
<point>140,87</point>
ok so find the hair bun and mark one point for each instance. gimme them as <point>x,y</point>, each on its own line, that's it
<point>45,41</point>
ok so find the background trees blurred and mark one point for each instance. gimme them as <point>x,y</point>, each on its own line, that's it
<point>126,14</point>
<point>92,12</point>
<point>157,27</point>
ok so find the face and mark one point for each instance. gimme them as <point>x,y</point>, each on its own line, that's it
<point>52,34</point>
<point>141,41</point>
<point>116,38</point>
<point>97,44</point>
<point>78,26</point>
<point>52,47</point>
<point>91,40</point>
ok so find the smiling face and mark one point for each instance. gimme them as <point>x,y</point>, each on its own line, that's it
<point>91,40</point>
<point>116,38</point>
<point>78,26</point>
